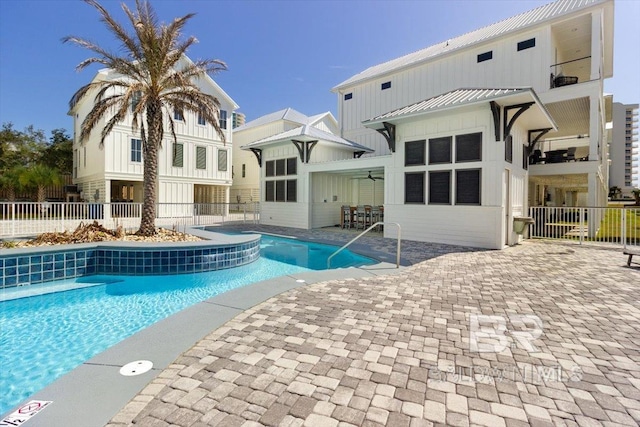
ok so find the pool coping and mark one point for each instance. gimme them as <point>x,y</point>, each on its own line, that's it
<point>93,392</point>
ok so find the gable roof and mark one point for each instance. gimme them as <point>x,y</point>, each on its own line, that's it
<point>509,25</point>
<point>460,98</point>
<point>288,114</point>
<point>307,133</point>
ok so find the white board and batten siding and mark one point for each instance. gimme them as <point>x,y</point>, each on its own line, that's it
<point>507,68</point>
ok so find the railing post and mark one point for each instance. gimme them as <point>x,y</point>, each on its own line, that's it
<point>581,220</point>
<point>13,219</point>
<point>623,227</point>
<point>244,213</point>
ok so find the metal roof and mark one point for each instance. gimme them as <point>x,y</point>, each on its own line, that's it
<point>509,25</point>
<point>307,133</point>
<point>288,114</point>
<point>457,98</point>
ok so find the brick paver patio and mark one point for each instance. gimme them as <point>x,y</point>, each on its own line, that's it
<point>397,350</point>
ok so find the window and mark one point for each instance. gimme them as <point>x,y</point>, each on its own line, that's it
<point>525,157</point>
<point>244,170</point>
<point>414,187</point>
<point>269,191</point>
<point>280,167</point>
<point>178,115</point>
<point>84,154</point>
<point>270,168</point>
<point>469,147</point>
<point>280,192</point>
<point>222,160</point>
<point>508,149</point>
<point>468,187</point>
<point>135,99</point>
<point>223,119</point>
<point>414,153</point>
<point>201,120</point>
<point>440,187</point>
<point>178,159</point>
<point>292,166</point>
<point>440,150</point>
<point>386,85</point>
<point>526,44</point>
<point>136,150</point>
<point>201,157</point>
<point>292,190</point>
<point>485,56</point>
<point>348,96</point>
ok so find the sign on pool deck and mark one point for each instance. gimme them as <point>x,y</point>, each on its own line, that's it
<point>24,413</point>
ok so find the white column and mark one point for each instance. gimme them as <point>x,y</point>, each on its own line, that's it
<point>595,128</point>
<point>596,45</point>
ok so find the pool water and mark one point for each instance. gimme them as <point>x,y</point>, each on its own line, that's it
<point>43,337</point>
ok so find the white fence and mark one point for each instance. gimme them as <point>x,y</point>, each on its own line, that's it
<point>614,226</point>
<point>29,218</point>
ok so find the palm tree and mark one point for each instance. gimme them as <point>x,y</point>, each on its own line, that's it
<point>153,82</point>
<point>40,177</point>
<point>10,181</point>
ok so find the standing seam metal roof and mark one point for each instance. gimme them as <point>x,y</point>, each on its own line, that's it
<point>456,97</point>
<point>523,20</point>
<point>309,131</point>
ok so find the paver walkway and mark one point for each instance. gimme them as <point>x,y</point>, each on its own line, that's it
<point>397,350</point>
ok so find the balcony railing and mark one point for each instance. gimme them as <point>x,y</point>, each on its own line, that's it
<point>570,72</point>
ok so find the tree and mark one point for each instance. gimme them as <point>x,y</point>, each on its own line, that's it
<point>40,177</point>
<point>20,148</point>
<point>152,83</point>
<point>58,154</point>
<point>10,181</point>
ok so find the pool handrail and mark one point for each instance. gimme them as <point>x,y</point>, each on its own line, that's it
<point>362,234</point>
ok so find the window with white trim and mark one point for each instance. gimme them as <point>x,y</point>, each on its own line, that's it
<point>136,150</point>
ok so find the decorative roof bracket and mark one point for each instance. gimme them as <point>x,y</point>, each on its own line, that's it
<point>258,153</point>
<point>389,133</point>
<point>304,149</point>
<point>495,110</point>
<point>534,141</point>
<point>521,109</point>
<point>358,154</point>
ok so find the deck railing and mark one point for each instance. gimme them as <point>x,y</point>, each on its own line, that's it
<point>31,218</point>
<point>619,226</point>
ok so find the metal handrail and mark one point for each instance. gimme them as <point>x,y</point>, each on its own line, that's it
<point>365,232</point>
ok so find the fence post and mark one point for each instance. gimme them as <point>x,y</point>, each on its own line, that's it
<point>581,221</point>
<point>623,227</point>
<point>13,219</point>
<point>244,212</point>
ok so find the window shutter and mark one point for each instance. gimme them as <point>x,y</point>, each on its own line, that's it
<point>440,187</point>
<point>468,186</point>
<point>469,147</point>
<point>222,160</point>
<point>178,160</point>
<point>414,187</point>
<point>201,157</point>
<point>414,153</point>
<point>440,150</point>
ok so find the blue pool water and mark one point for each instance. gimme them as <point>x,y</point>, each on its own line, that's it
<point>43,337</point>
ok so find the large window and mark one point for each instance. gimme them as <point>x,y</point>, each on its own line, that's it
<point>201,119</point>
<point>178,155</point>
<point>136,150</point>
<point>440,187</point>
<point>223,119</point>
<point>178,115</point>
<point>281,190</point>
<point>469,147</point>
<point>135,99</point>
<point>440,150</point>
<point>508,149</point>
<point>414,187</point>
<point>414,153</point>
<point>222,160</point>
<point>244,170</point>
<point>468,186</point>
<point>201,157</point>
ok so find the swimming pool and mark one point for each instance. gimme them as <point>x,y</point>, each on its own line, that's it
<point>43,337</point>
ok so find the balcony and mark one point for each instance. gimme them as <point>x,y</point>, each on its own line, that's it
<point>570,72</point>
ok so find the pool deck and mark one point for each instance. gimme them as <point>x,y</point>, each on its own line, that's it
<point>383,346</point>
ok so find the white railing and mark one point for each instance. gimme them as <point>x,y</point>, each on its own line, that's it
<point>614,226</point>
<point>31,218</point>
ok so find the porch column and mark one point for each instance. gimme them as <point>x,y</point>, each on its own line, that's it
<point>107,207</point>
<point>227,191</point>
<point>596,44</point>
<point>595,131</point>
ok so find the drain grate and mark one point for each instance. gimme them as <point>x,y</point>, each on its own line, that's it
<point>136,368</point>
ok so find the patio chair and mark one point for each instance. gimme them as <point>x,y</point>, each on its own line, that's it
<point>360,217</point>
<point>571,154</point>
<point>347,218</point>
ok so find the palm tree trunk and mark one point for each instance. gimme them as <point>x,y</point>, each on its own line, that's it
<point>41,193</point>
<point>150,177</point>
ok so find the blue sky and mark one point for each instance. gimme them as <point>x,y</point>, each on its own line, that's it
<point>279,53</point>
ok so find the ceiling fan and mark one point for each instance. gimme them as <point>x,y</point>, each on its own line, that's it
<point>374,178</point>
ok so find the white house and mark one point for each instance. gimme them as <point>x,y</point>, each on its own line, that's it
<point>467,133</point>
<point>195,169</point>
<point>246,177</point>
